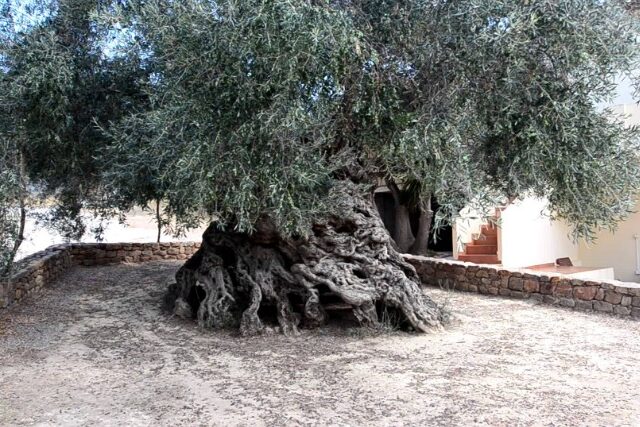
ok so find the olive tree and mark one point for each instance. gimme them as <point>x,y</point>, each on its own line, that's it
<point>279,119</point>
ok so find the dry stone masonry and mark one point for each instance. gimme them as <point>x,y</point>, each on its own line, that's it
<point>620,298</point>
<point>42,268</point>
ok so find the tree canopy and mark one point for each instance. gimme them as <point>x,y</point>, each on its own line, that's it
<point>251,109</point>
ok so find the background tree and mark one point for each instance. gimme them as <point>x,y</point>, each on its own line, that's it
<point>59,84</point>
<point>13,196</point>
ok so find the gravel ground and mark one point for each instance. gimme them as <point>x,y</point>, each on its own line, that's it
<point>96,349</point>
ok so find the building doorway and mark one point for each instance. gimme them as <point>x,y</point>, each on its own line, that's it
<point>440,240</point>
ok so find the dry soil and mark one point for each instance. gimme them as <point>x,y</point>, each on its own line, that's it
<point>96,349</point>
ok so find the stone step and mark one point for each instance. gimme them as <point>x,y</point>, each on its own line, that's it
<point>481,248</point>
<point>485,240</point>
<point>479,258</point>
<point>489,230</point>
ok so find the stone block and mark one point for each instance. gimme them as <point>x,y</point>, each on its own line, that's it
<point>635,312</point>
<point>622,311</point>
<point>612,297</point>
<point>504,282</point>
<point>516,284</point>
<point>635,301</point>
<point>546,288</point>
<point>584,305</point>
<point>586,293</point>
<point>567,302</point>
<point>563,289</point>
<point>537,297</point>
<point>504,273</point>
<point>482,273</point>
<point>531,285</point>
<point>624,290</point>
<point>600,294</point>
<point>626,301</point>
<point>603,306</point>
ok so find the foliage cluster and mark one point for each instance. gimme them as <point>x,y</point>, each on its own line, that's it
<point>254,108</point>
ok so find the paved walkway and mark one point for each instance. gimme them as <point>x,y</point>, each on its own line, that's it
<point>95,349</point>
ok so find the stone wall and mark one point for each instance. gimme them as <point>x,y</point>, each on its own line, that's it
<point>621,298</point>
<point>42,268</point>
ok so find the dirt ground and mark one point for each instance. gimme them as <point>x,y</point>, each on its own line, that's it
<point>96,349</point>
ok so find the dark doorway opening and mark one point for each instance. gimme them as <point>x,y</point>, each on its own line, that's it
<point>440,240</point>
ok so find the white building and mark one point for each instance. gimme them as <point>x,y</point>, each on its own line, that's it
<point>526,237</point>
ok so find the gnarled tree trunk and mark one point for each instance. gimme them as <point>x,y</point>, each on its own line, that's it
<point>235,279</point>
<point>421,244</point>
<point>402,235</point>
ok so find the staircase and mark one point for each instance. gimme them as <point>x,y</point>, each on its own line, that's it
<point>483,249</point>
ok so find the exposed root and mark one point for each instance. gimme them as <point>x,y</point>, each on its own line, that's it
<point>349,257</point>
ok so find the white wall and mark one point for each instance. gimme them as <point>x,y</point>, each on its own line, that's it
<point>140,227</point>
<point>617,250</point>
<point>529,237</point>
<point>630,113</point>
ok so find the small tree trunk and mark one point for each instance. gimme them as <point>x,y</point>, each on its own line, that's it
<point>18,241</point>
<point>421,244</point>
<point>158,220</point>
<point>249,281</point>
<point>23,218</point>
<point>402,234</point>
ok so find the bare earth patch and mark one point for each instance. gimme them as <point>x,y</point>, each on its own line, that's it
<point>97,349</point>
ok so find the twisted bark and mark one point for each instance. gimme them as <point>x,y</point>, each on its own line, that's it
<point>234,278</point>
<point>421,244</point>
